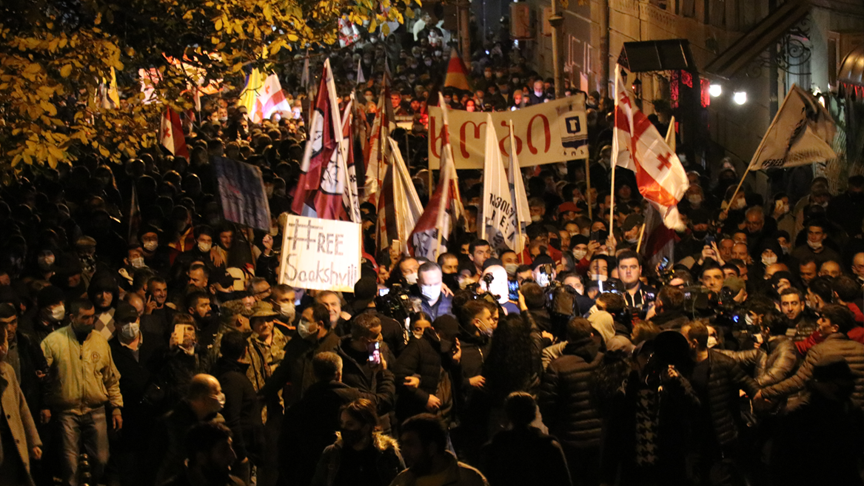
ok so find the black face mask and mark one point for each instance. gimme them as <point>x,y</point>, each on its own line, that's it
<point>700,235</point>
<point>449,279</point>
<point>555,243</point>
<point>351,437</point>
<point>224,296</point>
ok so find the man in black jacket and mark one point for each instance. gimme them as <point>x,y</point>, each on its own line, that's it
<point>373,380</point>
<point>523,454</point>
<point>315,419</point>
<point>242,411</point>
<point>566,404</point>
<point>716,379</point>
<point>132,351</point>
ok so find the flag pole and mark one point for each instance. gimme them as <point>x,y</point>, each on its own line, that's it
<point>759,150</point>
<point>613,160</point>
<point>588,186</point>
<point>641,234</point>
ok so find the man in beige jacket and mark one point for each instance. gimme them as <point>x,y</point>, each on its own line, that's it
<point>82,380</point>
<point>19,440</point>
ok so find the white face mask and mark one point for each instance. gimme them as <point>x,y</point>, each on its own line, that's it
<point>431,292</point>
<point>306,328</point>
<point>137,262</point>
<point>536,218</point>
<point>204,247</point>
<point>130,331</point>
<point>579,254</point>
<point>151,245</point>
<point>287,309</point>
<point>58,313</point>
<point>769,260</point>
<point>739,203</point>
<point>511,268</point>
<point>712,341</point>
<point>695,200</point>
<point>598,278</point>
<point>411,278</point>
<point>815,245</point>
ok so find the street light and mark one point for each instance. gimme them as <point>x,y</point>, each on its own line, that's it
<point>740,97</point>
<point>715,90</point>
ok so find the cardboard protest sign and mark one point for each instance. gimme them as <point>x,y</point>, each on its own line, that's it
<point>320,254</point>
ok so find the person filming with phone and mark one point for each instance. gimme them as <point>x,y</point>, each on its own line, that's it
<point>365,357</point>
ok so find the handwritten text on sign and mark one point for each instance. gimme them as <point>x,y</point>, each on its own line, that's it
<point>551,132</point>
<point>320,254</point>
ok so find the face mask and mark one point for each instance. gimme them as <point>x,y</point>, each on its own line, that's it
<point>748,319</point>
<point>598,278</point>
<point>417,335</point>
<point>431,292</point>
<point>137,262</point>
<point>785,250</point>
<point>220,399</point>
<point>306,328</point>
<point>130,331</point>
<point>428,63</point>
<point>632,240</point>
<point>287,309</point>
<point>712,341</point>
<point>536,218</point>
<point>204,247</point>
<point>578,255</point>
<point>58,313</point>
<point>484,329</point>
<point>511,268</point>
<point>769,260</point>
<point>411,278</point>
<point>151,245</point>
<point>739,204</point>
<point>815,245</point>
<point>700,235</point>
<point>695,200</point>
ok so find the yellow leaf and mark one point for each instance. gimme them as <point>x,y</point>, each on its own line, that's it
<point>373,25</point>
<point>268,13</point>
<point>104,152</point>
<point>66,70</point>
<point>293,37</point>
<point>214,40</point>
<point>409,13</point>
<point>218,24</point>
<point>56,152</point>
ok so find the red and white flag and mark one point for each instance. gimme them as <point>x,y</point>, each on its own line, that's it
<point>171,134</point>
<point>399,207</point>
<point>429,237</point>
<point>321,184</point>
<point>638,146</point>
<point>347,169</point>
<point>270,99</point>
<point>378,149</point>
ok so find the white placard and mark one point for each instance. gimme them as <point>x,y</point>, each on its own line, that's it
<point>320,254</point>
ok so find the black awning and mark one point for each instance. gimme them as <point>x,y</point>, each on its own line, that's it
<point>757,39</point>
<point>661,55</point>
<point>852,68</point>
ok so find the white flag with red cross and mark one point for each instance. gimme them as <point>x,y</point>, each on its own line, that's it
<point>638,146</point>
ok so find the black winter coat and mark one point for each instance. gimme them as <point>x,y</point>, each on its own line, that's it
<point>422,358</point>
<point>524,456</point>
<point>242,410</point>
<point>725,378</point>
<point>565,396</point>
<point>295,372</point>
<point>376,385</point>
<point>315,418</point>
<point>771,363</point>
<point>142,397</point>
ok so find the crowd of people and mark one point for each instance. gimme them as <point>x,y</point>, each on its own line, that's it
<point>157,346</point>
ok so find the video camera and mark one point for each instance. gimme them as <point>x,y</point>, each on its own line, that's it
<point>720,308</point>
<point>396,304</point>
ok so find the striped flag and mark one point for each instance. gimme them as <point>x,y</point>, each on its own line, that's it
<point>399,207</point>
<point>638,146</point>
<point>270,99</point>
<point>377,150</point>
<point>457,75</point>
<point>323,171</point>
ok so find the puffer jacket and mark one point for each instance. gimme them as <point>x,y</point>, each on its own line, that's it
<point>565,396</point>
<point>388,461</point>
<point>725,378</point>
<point>422,358</point>
<point>772,363</point>
<point>835,344</point>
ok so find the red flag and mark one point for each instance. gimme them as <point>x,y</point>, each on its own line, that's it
<point>318,193</point>
<point>457,75</point>
<point>378,148</point>
<point>399,206</point>
<point>171,134</point>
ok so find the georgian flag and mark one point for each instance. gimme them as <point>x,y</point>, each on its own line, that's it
<point>638,146</point>
<point>171,134</point>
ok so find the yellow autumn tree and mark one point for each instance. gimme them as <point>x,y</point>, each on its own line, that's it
<point>56,58</point>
